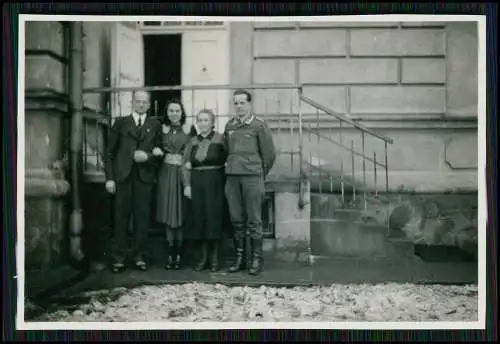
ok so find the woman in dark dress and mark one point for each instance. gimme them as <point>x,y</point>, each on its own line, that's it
<point>204,179</point>
<point>171,204</point>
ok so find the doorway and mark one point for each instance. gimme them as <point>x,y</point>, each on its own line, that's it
<point>163,66</point>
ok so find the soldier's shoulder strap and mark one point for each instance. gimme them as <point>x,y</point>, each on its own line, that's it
<point>260,120</point>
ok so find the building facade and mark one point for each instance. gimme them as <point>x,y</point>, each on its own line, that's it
<point>413,82</point>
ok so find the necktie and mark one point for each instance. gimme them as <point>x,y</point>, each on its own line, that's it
<point>139,122</point>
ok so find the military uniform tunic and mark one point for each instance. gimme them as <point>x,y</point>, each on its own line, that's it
<point>251,155</point>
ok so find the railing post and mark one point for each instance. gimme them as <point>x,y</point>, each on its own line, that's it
<point>375,172</point>
<point>352,172</point>
<point>84,144</point>
<point>341,166</point>
<point>302,174</point>
<point>364,167</point>
<point>193,109</point>
<point>156,108</point>
<point>292,133</point>
<point>386,170</point>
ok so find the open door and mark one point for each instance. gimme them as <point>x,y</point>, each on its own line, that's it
<point>127,66</point>
<point>205,61</point>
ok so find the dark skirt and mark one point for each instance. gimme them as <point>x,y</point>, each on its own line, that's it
<point>208,205</point>
<point>171,204</point>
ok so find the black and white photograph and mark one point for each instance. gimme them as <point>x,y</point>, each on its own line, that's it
<point>251,172</point>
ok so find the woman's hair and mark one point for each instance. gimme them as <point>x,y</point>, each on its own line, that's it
<point>166,120</point>
<point>210,113</point>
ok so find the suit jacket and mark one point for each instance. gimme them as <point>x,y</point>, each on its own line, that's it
<point>124,139</point>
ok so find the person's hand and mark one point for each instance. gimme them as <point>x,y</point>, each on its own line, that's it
<point>188,165</point>
<point>157,151</point>
<point>110,186</point>
<point>187,192</point>
<point>140,156</point>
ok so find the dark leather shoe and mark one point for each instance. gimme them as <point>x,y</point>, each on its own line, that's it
<point>118,267</point>
<point>141,265</point>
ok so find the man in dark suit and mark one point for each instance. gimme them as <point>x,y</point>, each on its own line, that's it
<point>130,173</point>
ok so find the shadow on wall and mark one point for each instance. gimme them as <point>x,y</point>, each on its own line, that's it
<point>446,220</point>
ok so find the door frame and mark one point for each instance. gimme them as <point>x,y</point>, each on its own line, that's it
<point>169,30</point>
<point>172,30</point>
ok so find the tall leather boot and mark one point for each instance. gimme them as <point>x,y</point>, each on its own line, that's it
<point>178,256</point>
<point>204,257</point>
<point>256,265</point>
<point>214,255</point>
<point>239,245</point>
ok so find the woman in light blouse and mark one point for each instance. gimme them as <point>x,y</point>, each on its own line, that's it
<point>204,180</point>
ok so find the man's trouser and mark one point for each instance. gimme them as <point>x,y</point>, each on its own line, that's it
<point>245,195</point>
<point>132,198</point>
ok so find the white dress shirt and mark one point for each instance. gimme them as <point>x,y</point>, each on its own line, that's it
<point>137,117</point>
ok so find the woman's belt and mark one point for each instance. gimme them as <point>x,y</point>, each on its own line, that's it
<point>173,159</point>
<point>207,168</point>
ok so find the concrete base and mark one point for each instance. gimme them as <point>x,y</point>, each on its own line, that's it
<point>45,208</point>
<point>347,238</point>
<point>292,222</point>
<point>430,219</point>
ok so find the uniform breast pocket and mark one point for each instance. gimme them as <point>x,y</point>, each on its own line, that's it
<point>246,142</point>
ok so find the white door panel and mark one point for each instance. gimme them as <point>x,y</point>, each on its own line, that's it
<point>205,61</point>
<point>127,54</point>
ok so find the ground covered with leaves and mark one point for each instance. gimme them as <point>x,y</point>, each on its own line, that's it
<point>215,302</point>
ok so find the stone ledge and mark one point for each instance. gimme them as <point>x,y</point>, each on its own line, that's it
<point>452,182</point>
<point>46,99</point>
<point>45,183</point>
<point>294,252</point>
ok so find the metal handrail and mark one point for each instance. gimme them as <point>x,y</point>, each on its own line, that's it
<point>349,149</point>
<point>301,125</point>
<point>190,88</point>
<point>344,119</point>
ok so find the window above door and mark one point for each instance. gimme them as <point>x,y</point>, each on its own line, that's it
<point>180,25</point>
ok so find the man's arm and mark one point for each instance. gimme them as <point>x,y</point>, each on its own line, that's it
<point>152,159</point>
<point>266,147</point>
<point>225,142</point>
<point>112,146</point>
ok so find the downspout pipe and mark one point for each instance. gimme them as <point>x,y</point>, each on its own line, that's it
<point>76,139</point>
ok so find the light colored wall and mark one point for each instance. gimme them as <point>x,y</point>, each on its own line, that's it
<point>415,82</point>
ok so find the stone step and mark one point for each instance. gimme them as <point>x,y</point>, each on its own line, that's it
<point>347,238</point>
<point>442,253</point>
<point>401,247</point>
<point>348,214</point>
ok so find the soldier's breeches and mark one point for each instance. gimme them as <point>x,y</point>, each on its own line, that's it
<point>245,195</point>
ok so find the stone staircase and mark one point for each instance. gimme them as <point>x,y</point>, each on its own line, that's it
<point>344,166</point>
<point>347,229</point>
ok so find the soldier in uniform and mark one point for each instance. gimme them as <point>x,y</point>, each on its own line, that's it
<point>251,155</point>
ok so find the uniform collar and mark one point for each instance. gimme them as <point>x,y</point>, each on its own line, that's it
<point>246,120</point>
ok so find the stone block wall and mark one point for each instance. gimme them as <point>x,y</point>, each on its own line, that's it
<point>47,121</point>
<point>413,82</point>
<point>46,142</point>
